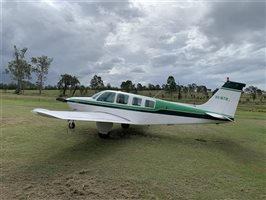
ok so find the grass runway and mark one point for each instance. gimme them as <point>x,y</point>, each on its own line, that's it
<point>41,159</point>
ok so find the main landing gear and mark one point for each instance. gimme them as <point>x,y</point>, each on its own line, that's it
<point>104,128</point>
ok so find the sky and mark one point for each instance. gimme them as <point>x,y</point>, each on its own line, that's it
<point>200,42</point>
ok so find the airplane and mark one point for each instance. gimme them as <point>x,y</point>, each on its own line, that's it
<point>114,107</point>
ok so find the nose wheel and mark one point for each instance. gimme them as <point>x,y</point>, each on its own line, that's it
<point>71,124</point>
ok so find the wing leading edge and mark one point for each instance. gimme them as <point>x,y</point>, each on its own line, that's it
<point>82,116</point>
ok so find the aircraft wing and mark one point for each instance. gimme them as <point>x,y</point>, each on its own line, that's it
<point>82,116</point>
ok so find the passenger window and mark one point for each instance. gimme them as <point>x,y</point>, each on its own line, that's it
<point>107,97</point>
<point>149,104</point>
<point>122,98</point>
<point>136,101</point>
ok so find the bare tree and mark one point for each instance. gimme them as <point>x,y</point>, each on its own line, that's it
<point>19,68</point>
<point>41,66</point>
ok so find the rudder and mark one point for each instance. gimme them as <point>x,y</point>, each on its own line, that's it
<point>225,100</point>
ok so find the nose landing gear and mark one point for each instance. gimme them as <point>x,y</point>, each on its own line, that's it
<point>71,124</point>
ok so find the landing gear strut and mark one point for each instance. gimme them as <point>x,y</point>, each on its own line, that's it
<point>71,124</point>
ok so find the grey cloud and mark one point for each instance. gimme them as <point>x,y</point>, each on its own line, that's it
<point>102,66</point>
<point>122,9</point>
<point>118,40</point>
<point>138,70</point>
<point>235,21</point>
<point>164,60</point>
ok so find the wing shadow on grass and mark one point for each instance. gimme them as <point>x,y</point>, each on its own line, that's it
<point>87,149</point>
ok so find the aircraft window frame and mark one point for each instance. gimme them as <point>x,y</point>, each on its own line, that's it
<point>111,95</point>
<point>137,103</point>
<point>96,95</point>
<point>148,105</point>
<point>122,99</point>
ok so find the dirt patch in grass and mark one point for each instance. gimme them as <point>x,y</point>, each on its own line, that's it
<point>82,185</point>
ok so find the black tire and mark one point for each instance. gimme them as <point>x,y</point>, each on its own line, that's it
<point>104,136</point>
<point>125,126</point>
<point>71,125</point>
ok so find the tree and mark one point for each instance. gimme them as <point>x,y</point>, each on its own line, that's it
<point>64,83</point>
<point>171,85</point>
<point>19,68</point>
<point>151,86</point>
<point>68,82</point>
<point>127,86</point>
<point>185,90</point>
<point>82,89</point>
<point>203,89</point>
<point>192,88</point>
<point>157,87</point>
<point>74,84</point>
<point>108,86</point>
<point>96,83</point>
<point>253,91</point>
<point>179,89</point>
<point>139,87</point>
<point>41,66</point>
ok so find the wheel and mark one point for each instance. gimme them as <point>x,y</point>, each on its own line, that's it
<point>71,125</point>
<point>125,126</point>
<point>104,136</point>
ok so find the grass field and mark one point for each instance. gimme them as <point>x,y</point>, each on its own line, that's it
<point>41,159</point>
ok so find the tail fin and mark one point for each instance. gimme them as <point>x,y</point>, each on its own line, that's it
<point>225,100</point>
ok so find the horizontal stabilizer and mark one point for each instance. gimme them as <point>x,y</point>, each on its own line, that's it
<point>219,116</point>
<point>82,116</point>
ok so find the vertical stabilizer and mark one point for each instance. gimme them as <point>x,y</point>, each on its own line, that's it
<point>225,100</point>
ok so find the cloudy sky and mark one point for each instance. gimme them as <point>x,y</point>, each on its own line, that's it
<point>198,42</point>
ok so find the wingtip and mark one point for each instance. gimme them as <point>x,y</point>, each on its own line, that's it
<point>37,110</point>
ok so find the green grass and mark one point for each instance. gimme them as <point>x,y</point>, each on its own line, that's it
<point>41,159</point>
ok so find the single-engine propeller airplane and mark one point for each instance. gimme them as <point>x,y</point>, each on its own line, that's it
<point>109,107</point>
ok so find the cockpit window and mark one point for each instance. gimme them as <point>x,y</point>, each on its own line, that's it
<point>122,98</point>
<point>136,101</point>
<point>107,97</point>
<point>149,104</point>
<point>96,95</point>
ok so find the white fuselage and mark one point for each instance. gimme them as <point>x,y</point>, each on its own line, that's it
<point>138,117</point>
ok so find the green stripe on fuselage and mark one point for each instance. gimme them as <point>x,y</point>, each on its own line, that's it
<point>166,105</point>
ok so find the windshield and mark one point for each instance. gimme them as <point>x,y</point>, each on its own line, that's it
<point>107,97</point>
<point>96,95</point>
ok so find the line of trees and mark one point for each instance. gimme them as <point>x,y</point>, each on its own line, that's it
<point>21,71</point>
<point>71,83</point>
<point>171,87</point>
